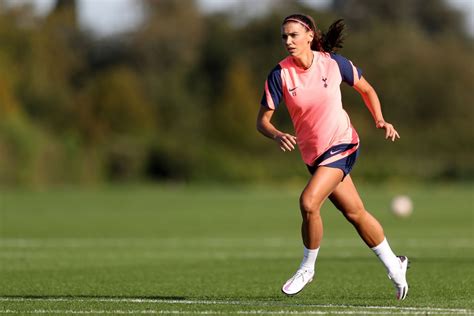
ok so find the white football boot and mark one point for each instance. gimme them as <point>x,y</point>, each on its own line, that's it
<point>294,285</point>
<point>399,279</point>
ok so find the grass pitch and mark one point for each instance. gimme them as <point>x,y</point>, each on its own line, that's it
<point>225,250</point>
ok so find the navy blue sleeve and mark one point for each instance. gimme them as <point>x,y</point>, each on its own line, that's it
<point>273,92</point>
<point>347,69</point>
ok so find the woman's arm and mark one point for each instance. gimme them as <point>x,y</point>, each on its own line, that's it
<point>264,126</point>
<point>372,102</point>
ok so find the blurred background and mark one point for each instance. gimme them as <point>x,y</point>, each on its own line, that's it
<point>128,91</point>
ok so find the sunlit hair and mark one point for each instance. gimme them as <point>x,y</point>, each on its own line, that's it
<point>322,42</point>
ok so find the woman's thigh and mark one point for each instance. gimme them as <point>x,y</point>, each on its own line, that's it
<point>320,186</point>
<point>346,198</point>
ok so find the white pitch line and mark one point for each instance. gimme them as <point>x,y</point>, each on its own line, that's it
<point>211,242</point>
<point>113,312</point>
<point>223,255</point>
<point>358,312</point>
<point>180,312</point>
<point>237,303</point>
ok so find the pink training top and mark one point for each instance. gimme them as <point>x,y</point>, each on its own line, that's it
<point>313,99</point>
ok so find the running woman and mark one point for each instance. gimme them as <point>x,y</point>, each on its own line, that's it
<point>308,81</point>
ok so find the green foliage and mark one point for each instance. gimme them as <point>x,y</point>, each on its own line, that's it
<point>113,103</point>
<point>432,17</point>
<point>177,98</point>
<point>234,113</point>
<point>19,145</point>
<point>33,157</point>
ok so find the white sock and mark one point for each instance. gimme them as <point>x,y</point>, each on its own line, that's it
<point>309,259</point>
<point>388,258</point>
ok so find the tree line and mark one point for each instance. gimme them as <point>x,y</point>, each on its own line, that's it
<point>176,99</point>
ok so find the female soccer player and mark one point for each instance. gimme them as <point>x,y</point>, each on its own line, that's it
<point>308,80</point>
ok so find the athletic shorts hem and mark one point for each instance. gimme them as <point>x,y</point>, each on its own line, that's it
<point>346,163</point>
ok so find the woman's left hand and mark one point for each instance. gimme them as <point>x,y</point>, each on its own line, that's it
<point>390,131</point>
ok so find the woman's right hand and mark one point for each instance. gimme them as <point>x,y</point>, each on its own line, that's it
<point>286,142</point>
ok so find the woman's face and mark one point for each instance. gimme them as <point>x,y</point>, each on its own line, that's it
<point>296,38</point>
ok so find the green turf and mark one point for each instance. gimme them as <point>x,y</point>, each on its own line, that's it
<point>220,250</point>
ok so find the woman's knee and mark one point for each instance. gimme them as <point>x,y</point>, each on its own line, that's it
<point>309,205</point>
<point>356,213</point>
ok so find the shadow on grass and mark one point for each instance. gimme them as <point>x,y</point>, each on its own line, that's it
<point>95,297</point>
<point>300,299</point>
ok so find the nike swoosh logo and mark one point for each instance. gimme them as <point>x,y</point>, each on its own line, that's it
<point>335,152</point>
<point>293,89</point>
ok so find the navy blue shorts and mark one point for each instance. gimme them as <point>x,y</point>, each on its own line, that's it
<point>341,156</point>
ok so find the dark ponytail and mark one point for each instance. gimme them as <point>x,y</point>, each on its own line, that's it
<point>332,40</point>
<point>328,42</point>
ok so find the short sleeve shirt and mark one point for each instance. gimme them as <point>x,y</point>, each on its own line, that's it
<point>313,99</point>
